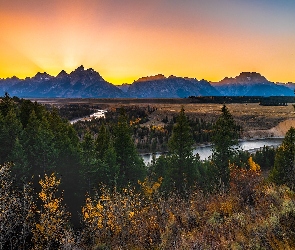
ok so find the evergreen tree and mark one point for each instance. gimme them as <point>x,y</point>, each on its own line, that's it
<point>6,104</point>
<point>87,150</point>
<point>38,142</point>
<point>283,171</point>
<point>67,155</point>
<point>103,141</point>
<point>67,148</point>
<point>20,167</point>
<point>10,130</point>
<point>97,168</point>
<point>106,153</point>
<point>26,108</point>
<point>180,145</point>
<point>265,158</point>
<point>225,143</point>
<point>110,173</point>
<point>131,165</point>
<point>90,164</point>
<point>179,167</point>
<point>181,142</point>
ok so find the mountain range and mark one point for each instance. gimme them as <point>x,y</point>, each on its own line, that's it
<point>87,83</point>
<point>79,83</point>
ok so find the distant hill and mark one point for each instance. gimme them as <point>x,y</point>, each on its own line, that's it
<point>79,83</point>
<point>251,84</point>
<point>161,87</point>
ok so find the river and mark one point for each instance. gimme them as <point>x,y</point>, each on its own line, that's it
<point>98,114</point>
<point>248,145</point>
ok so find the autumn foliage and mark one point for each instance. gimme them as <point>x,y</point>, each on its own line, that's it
<point>52,226</point>
<point>259,217</point>
<point>251,214</point>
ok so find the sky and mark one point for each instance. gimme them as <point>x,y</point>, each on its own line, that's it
<point>127,39</point>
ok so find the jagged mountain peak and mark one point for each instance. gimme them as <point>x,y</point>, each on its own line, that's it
<point>90,73</point>
<point>79,69</point>
<point>62,74</point>
<point>42,76</point>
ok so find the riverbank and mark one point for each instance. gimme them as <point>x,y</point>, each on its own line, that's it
<point>279,130</point>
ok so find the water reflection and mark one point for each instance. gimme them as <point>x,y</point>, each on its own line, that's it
<point>206,151</point>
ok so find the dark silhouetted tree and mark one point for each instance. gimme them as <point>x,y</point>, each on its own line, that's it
<point>10,130</point>
<point>225,143</point>
<point>179,167</point>
<point>131,165</point>
<point>283,171</point>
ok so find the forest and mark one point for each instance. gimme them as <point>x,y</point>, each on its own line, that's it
<point>85,186</point>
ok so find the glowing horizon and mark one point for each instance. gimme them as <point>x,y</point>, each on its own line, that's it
<point>203,39</point>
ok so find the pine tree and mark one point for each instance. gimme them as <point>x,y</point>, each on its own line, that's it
<point>131,165</point>
<point>10,130</point>
<point>69,167</point>
<point>20,167</point>
<point>179,167</point>
<point>283,171</point>
<point>38,142</point>
<point>110,173</point>
<point>90,164</point>
<point>102,141</point>
<point>6,104</point>
<point>180,145</point>
<point>225,143</point>
<point>106,153</point>
<point>181,142</point>
<point>88,150</point>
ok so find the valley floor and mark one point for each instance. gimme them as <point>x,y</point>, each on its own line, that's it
<point>257,121</point>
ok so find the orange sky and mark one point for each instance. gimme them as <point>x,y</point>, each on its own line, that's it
<point>125,40</point>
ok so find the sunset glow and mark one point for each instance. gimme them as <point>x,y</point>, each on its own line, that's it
<point>125,40</point>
